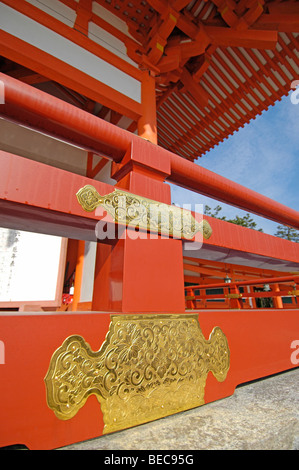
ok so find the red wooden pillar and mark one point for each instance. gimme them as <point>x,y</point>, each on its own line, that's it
<point>147,123</point>
<point>190,301</point>
<point>277,300</point>
<point>141,275</point>
<point>78,274</point>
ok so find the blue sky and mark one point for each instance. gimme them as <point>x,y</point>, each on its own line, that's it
<point>262,156</point>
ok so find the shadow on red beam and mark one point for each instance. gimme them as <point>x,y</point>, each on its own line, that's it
<point>40,220</point>
<point>46,203</point>
<point>194,177</point>
<point>45,112</point>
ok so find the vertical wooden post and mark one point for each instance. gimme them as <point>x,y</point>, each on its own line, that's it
<point>147,124</point>
<point>277,300</point>
<point>78,275</point>
<point>253,300</point>
<point>84,13</point>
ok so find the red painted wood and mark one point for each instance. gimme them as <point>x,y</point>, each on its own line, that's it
<point>44,204</point>
<point>259,343</point>
<point>69,120</point>
<point>30,341</point>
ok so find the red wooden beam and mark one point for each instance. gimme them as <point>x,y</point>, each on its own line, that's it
<point>249,38</point>
<point>43,110</point>
<point>285,8</point>
<point>180,4</point>
<point>196,90</point>
<point>251,282</point>
<point>193,177</point>
<point>42,204</point>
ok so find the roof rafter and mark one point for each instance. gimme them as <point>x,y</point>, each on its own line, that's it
<point>217,63</point>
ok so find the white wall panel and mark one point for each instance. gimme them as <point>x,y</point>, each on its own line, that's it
<point>52,43</point>
<point>109,42</point>
<point>29,267</point>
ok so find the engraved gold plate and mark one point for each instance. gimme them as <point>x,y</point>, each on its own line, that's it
<point>233,296</point>
<point>294,292</point>
<point>131,210</point>
<point>148,367</point>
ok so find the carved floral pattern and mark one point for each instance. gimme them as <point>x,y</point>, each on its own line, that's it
<point>149,366</point>
<point>131,210</point>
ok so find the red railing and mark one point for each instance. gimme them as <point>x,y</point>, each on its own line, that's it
<point>46,113</point>
<point>232,297</point>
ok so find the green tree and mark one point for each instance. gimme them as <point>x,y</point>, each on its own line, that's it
<point>288,233</point>
<point>214,212</point>
<point>245,221</point>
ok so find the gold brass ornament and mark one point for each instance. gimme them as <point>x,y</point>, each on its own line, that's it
<point>131,210</point>
<point>149,366</point>
<point>233,296</point>
<point>294,292</point>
